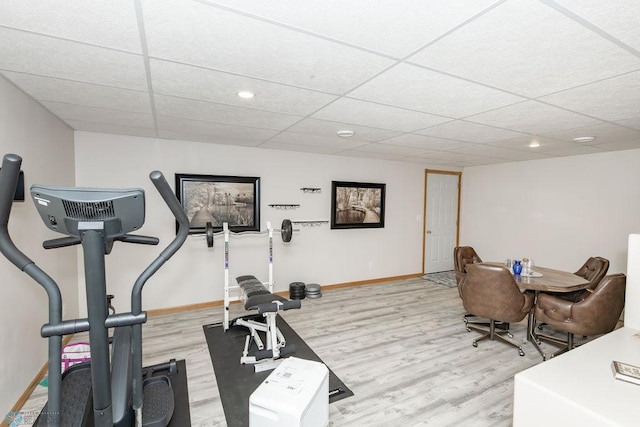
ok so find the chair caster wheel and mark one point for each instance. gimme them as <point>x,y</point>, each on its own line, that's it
<point>509,334</point>
<point>475,344</point>
<point>468,329</point>
<point>521,353</point>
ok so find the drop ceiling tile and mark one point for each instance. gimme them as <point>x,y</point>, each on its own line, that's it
<point>522,143</point>
<point>416,88</point>
<point>199,34</point>
<point>425,142</point>
<point>480,161</point>
<point>364,113</point>
<point>619,18</point>
<point>318,149</point>
<point>177,125</point>
<point>189,135</point>
<point>532,117</point>
<point>73,92</point>
<point>553,146</point>
<point>617,98</point>
<point>329,129</point>
<point>110,24</point>
<point>70,60</point>
<point>459,159</point>
<point>502,152</point>
<point>620,145</point>
<point>454,156</point>
<point>467,131</point>
<point>219,113</point>
<point>548,146</point>
<point>443,164</point>
<point>485,151</point>
<point>110,128</point>
<point>527,49</point>
<point>391,149</point>
<point>396,28</point>
<point>170,78</point>
<point>99,115</point>
<point>633,122</point>
<point>518,155</point>
<point>305,139</point>
<point>572,149</point>
<point>370,155</point>
<point>603,132</point>
<point>434,164</point>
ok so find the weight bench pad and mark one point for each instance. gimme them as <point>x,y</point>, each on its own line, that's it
<point>256,293</point>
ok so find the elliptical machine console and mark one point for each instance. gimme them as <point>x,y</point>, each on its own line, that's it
<point>64,209</point>
<point>96,218</point>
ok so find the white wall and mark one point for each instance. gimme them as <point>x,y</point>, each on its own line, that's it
<point>46,146</point>
<point>315,254</point>
<point>557,211</point>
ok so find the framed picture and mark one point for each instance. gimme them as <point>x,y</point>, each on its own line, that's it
<point>357,205</point>
<point>219,199</point>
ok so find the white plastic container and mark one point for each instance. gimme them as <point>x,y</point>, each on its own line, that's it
<point>295,394</point>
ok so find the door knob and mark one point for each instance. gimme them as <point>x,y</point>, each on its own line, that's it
<point>428,231</point>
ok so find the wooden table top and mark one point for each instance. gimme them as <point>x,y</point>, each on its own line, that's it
<point>551,280</point>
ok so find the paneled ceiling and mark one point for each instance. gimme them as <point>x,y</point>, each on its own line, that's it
<point>457,83</point>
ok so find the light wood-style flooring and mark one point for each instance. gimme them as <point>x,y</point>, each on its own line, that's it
<point>400,346</point>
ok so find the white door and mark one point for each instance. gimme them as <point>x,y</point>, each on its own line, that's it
<point>441,222</point>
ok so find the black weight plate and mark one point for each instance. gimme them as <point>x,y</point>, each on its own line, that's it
<point>209,229</point>
<point>286,230</point>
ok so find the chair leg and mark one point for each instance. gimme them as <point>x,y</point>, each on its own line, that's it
<point>472,319</point>
<point>493,334</point>
<point>565,346</point>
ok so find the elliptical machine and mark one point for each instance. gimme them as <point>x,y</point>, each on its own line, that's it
<point>96,218</point>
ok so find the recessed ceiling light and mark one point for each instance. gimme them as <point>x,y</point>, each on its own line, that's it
<point>246,94</point>
<point>345,133</point>
<point>584,139</point>
<point>534,143</point>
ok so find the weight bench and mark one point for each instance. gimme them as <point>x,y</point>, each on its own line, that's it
<point>257,297</point>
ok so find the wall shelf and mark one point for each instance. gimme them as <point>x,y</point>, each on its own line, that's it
<point>310,223</point>
<point>311,189</point>
<point>284,206</point>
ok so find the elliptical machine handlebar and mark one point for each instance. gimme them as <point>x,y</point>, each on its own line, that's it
<point>8,183</point>
<point>170,199</point>
<point>178,212</point>
<point>63,242</point>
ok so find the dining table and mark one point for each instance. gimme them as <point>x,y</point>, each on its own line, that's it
<point>543,279</point>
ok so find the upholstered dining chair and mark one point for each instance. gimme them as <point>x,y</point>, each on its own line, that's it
<point>594,269</point>
<point>462,256</point>
<point>490,291</point>
<point>596,314</point>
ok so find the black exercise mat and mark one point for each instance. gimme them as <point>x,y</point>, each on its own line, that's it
<point>236,382</point>
<point>181,414</point>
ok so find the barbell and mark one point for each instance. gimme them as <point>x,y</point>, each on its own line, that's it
<point>286,232</point>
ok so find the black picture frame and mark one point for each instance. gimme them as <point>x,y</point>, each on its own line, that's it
<point>218,199</point>
<point>357,205</point>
